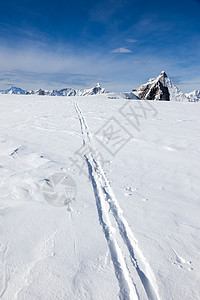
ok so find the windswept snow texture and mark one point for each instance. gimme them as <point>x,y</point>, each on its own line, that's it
<point>133,229</point>
<point>161,88</point>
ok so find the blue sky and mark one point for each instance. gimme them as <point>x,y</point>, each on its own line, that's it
<point>121,43</point>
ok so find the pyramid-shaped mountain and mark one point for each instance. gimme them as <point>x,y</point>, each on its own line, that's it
<point>160,88</point>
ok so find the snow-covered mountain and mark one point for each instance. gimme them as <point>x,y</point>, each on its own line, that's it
<point>63,92</point>
<point>160,88</point>
<point>82,92</point>
<point>93,91</point>
<point>13,90</point>
<point>194,96</point>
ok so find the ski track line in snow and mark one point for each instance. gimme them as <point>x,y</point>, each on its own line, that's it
<point>104,195</point>
<point>5,277</point>
<point>127,289</point>
<point>102,188</point>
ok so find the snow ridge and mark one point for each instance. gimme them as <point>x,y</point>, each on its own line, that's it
<point>194,96</point>
<point>105,197</point>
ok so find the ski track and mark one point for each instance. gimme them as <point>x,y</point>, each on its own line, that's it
<point>104,197</point>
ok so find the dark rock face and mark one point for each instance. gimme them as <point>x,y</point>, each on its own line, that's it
<point>155,89</point>
<point>159,90</point>
<point>29,92</point>
<point>40,92</point>
<point>95,90</point>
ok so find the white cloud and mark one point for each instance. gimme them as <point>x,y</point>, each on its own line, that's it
<point>131,40</point>
<point>34,67</point>
<point>121,50</point>
<point>137,62</point>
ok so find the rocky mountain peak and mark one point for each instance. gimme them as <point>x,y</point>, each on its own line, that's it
<point>160,88</point>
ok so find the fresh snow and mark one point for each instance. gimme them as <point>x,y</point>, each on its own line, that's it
<point>133,229</point>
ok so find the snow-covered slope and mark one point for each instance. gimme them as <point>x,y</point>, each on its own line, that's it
<point>93,91</point>
<point>121,95</point>
<point>194,96</point>
<point>132,229</point>
<point>161,88</point>
<point>64,92</point>
<point>82,92</point>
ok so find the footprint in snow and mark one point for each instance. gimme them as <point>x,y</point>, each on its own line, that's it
<point>181,262</point>
<point>129,192</point>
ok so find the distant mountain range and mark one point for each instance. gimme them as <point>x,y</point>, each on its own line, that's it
<point>160,88</point>
<point>63,92</point>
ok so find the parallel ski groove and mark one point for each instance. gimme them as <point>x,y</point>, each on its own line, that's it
<point>103,193</point>
<point>127,288</point>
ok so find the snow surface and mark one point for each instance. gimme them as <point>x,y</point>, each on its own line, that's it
<point>133,230</point>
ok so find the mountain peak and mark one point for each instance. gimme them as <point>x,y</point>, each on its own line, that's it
<point>163,74</point>
<point>160,88</point>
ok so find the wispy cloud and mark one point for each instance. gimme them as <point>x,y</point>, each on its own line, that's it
<point>137,62</point>
<point>32,68</point>
<point>131,40</point>
<point>121,50</point>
